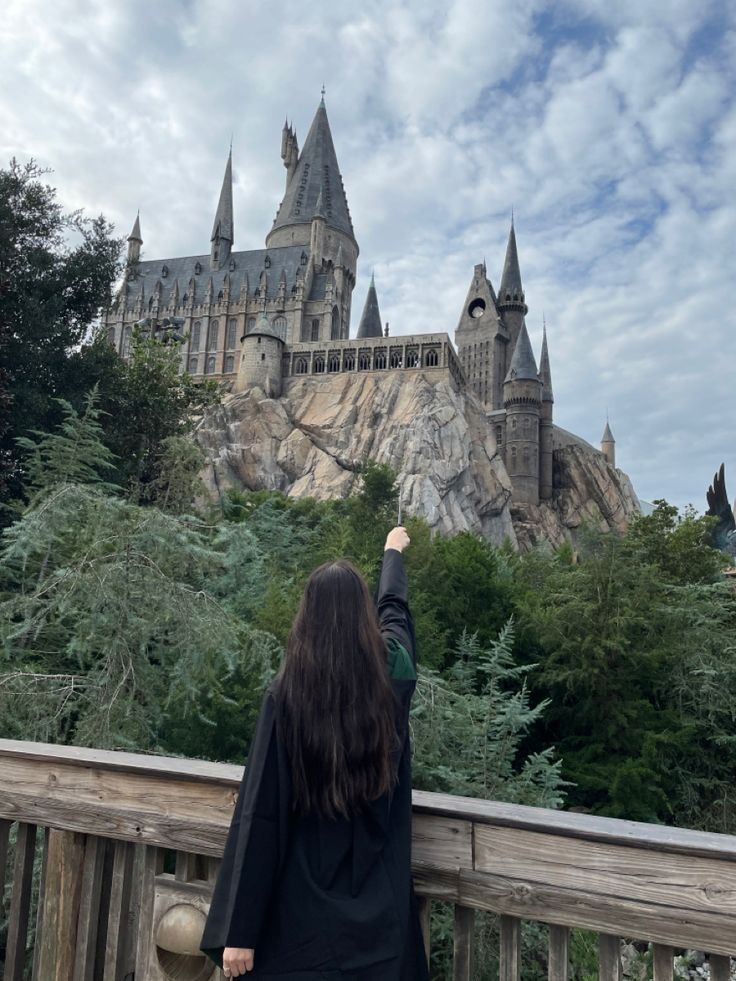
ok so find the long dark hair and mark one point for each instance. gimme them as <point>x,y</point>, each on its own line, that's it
<point>335,702</point>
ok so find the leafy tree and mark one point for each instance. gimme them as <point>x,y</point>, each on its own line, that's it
<point>678,545</point>
<point>56,274</point>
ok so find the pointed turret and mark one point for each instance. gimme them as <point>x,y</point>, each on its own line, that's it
<point>316,173</point>
<point>370,321</point>
<point>223,234</point>
<point>135,241</point>
<point>608,445</point>
<point>523,364</point>
<point>511,291</point>
<point>545,374</point>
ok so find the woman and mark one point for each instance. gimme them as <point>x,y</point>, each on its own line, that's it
<point>315,881</point>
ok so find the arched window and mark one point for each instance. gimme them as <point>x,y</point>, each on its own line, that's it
<point>251,325</point>
<point>349,361</point>
<point>513,423</point>
<point>319,364</point>
<point>412,359</point>
<point>513,455</point>
<point>430,359</point>
<point>335,325</point>
<point>364,362</point>
<point>193,366</point>
<point>230,362</point>
<point>111,336</point>
<point>126,341</point>
<point>525,457</point>
<point>214,331</point>
<point>499,435</point>
<point>232,327</point>
<point>525,425</point>
<point>279,325</point>
<point>301,366</point>
<point>196,332</point>
<point>315,330</point>
<point>334,363</point>
<point>396,359</point>
<point>210,366</point>
<point>379,360</point>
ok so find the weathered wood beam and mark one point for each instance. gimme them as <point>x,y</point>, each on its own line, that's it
<point>509,965</point>
<point>56,942</point>
<point>462,944</point>
<point>663,960</point>
<point>609,958</point>
<point>558,964</point>
<point>20,903</point>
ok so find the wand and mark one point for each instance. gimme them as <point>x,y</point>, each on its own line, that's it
<point>399,521</point>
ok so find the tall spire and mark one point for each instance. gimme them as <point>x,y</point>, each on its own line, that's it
<point>316,172</point>
<point>135,241</point>
<point>223,234</point>
<point>370,321</point>
<point>135,235</point>
<point>607,436</point>
<point>511,291</point>
<point>545,374</point>
<point>523,364</point>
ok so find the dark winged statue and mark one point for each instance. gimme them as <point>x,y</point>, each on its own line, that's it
<point>724,531</point>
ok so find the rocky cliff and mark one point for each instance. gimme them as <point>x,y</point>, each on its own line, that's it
<point>311,440</point>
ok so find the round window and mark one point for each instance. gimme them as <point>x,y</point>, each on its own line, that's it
<point>477,308</point>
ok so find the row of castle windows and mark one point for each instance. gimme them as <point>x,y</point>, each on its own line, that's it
<point>332,364</point>
<point>527,461</point>
<point>310,331</point>
<point>209,364</point>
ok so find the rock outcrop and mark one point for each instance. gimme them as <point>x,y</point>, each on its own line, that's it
<point>310,442</point>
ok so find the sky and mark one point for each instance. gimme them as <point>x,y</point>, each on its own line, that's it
<point>609,128</point>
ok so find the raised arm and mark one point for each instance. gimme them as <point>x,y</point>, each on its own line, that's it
<point>392,601</point>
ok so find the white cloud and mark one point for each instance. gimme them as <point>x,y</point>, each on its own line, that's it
<point>611,128</point>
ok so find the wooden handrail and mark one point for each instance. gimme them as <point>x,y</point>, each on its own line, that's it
<point>671,886</point>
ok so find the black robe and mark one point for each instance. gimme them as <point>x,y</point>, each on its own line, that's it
<point>319,899</point>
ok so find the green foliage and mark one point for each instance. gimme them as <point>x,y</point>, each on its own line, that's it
<point>678,545</point>
<point>56,275</point>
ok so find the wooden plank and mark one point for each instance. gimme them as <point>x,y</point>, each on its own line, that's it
<point>720,968</point>
<point>663,961</point>
<point>4,839</point>
<point>130,949</point>
<point>589,911</point>
<point>44,840</point>
<point>442,842</point>
<point>663,878</point>
<point>57,944</point>
<point>558,964</point>
<point>186,866</point>
<point>424,904</point>
<point>509,965</point>
<point>151,865</point>
<point>117,922</point>
<point>20,903</point>
<point>463,943</point>
<point>89,908</point>
<point>609,958</point>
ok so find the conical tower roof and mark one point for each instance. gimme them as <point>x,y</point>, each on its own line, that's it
<point>511,276</point>
<point>545,373</point>
<point>607,436</point>
<point>523,364</point>
<point>370,321</point>
<point>316,173</point>
<point>135,235</point>
<point>223,224</point>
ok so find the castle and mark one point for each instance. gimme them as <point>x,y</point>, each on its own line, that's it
<point>262,317</point>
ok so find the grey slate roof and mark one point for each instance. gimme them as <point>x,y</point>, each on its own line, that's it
<point>316,173</point>
<point>264,327</point>
<point>135,235</point>
<point>223,226</point>
<point>607,436</point>
<point>370,321</point>
<point>523,365</point>
<point>511,276</point>
<point>545,373</point>
<point>286,259</point>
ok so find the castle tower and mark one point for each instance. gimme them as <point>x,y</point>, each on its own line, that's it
<point>289,150</point>
<point>546,430</point>
<point>223,235</point>
<point>135,241</point>
<point>261,361</point>
<point>522,391</point>
<point>370,321</point>
<point>511,293</point>
<point>482,340</point>
<point>608,445</point>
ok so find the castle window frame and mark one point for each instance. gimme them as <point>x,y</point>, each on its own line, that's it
<point>379,359</point>
<point>333,364</point>
<point>111,336</point>
<point>251,325</point>
<point>364,361</point>
<point>125,348</point>
<point>349,361</point>
<point>230,363</point>
<point>209,367</point>
<point>301,367</point>
<point>196,335</point>
<point>212,335</point>
<point>412,358</point>
<point>193,365</point>
<point>232,328</point>
<point>395,359</point>
<point>280,325</point>
<point>430,359</point>
<point>315,330</point>
<point>335,325</point>
<point>319,365</point>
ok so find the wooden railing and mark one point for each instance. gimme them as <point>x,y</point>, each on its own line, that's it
<point>126,848</point>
